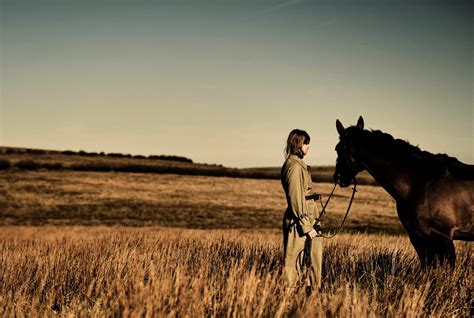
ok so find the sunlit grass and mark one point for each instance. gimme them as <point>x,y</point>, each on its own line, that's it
<point>104,271</point>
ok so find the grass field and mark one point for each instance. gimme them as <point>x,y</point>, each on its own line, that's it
<point>117,271</point>
<point>137,244</point>
<point>94,198</point>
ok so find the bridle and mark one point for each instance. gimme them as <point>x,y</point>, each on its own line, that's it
<point>351,164</point>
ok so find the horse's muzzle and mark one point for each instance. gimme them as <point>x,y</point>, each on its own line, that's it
<point>342,182</point>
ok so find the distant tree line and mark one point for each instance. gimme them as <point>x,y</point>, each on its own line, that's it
<point>95,154</point>
<point>28,151</point>
<point>206,170</point>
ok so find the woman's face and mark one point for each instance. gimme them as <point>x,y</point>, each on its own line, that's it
<point>305,149</point>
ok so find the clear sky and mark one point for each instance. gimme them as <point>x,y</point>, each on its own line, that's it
<point>225,81</point>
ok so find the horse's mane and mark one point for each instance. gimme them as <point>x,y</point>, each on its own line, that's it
<point>403,150</point>
<point>401,147</point>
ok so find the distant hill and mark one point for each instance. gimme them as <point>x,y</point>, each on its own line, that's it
<point>35,159</point>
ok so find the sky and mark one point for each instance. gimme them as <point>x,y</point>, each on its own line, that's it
<point>225,81</point>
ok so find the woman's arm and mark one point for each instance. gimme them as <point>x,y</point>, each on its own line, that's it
<point>297,199</point>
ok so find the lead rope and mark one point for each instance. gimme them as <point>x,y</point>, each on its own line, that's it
<point>307,261</point>
<point>347,212</point>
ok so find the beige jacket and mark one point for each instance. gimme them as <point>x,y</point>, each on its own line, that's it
<point>297,183</point>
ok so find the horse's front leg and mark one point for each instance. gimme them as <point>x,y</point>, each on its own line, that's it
<point>417,240</point>
<point>421,248</point>
<point>433,249</point>
<point>441,249</point>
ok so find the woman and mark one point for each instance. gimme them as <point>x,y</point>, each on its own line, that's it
<point>301,216</point>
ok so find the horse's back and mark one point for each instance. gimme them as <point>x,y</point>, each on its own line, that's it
<point>461,171</point>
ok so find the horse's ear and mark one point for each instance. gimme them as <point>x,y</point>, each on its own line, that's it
<point>360,122</point>
<point>340,127</point>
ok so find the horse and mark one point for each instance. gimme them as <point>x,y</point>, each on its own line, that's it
<point>434,193</point>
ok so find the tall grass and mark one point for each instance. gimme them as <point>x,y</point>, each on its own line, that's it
<point>103,271</point>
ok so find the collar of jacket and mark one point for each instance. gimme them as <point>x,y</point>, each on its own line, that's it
<point>299,160</point>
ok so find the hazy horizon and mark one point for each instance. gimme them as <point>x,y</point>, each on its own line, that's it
<point>225,81</point>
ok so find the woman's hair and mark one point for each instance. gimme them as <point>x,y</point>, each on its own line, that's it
<point>296,139</point>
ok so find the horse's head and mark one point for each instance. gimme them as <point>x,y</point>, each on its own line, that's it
<point>347,164</point>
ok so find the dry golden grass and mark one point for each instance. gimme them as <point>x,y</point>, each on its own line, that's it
<point>93,198</point>
<point>114,271</point>
<point>233,271</point>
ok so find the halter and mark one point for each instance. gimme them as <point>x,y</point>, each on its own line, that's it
<point>350,161</point>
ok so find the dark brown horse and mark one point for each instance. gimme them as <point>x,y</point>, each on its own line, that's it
<point>434,193</point>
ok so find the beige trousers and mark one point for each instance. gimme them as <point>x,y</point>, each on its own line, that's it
<point>293,255</point>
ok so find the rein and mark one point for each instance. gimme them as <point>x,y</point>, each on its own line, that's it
<point>347,211</point>
<point>307,262</point>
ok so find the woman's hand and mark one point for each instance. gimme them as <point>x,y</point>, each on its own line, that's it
<point>312,234</point>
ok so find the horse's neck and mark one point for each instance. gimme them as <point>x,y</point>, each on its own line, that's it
<point>393,175</point>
